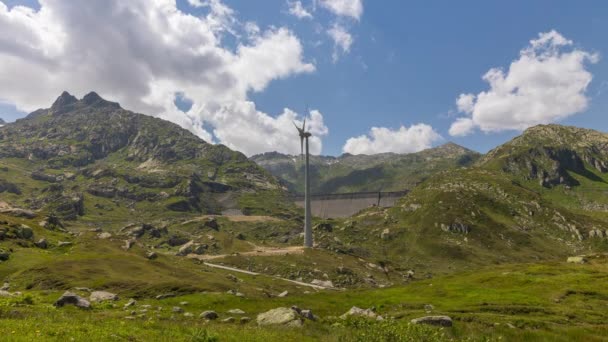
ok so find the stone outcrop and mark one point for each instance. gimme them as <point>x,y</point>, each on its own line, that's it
<point>69,298</point>
<point>442,321</point>
<point>280,316</point>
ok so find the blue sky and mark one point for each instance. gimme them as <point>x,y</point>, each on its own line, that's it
<point>408,63</point>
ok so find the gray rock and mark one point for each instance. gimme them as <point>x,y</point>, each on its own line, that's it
<point>280,316</point>
<point>443,321</point>
<point>102,296</point>
<point>186,248</point>
<point>64,244</point>
<point>209,315</point>
<point>41,244</point>
<point>188,314</point>
<point>4,255</point>
<point>236,312</point>
<point>358,312</point>
<point>308,315</point>
<point>4,293</point>
<point>24,232</point>
<point>211,222</point>
<point>581,259</point>
<point>245,320</point>
<point>5,287</point>
<point>69,298</point>
<point>228,320</point>
<point>151,255</point>
<point>177,309</point>
<point>283,294</point>
<point>183,303</point>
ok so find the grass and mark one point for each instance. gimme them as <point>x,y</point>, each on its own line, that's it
<point>532,302</point>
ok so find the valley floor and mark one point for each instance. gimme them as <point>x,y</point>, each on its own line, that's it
<point>524,302</point>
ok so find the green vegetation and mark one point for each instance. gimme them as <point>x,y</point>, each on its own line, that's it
<point>542,302</point>
<point>93,196</point>
<point>379,172</point>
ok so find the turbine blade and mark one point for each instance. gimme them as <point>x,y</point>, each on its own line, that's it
<point>304,125</point>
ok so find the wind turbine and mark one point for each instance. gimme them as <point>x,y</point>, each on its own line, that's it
<point>307,216</point>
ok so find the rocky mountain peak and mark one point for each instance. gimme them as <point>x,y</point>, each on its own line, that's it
<point>93,99</point>
<point>64,100</point>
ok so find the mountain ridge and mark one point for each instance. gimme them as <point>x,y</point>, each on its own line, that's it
<point>102,150</point>
<point>354,173</point>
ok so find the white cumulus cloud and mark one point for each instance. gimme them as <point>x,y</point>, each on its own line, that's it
<point>297,10</point>
<point>344,8</point>
<point>403,140</point>
<point>142,53</point>
<point>547,83</point>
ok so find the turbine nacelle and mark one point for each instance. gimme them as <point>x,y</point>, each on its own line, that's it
<point>303,135</point>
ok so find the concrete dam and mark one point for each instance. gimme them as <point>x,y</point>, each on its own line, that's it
<point>348,204</point>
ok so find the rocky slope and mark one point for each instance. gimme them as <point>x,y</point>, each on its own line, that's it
<point>552,155</point>
<point>352,173</point>
<point>91,156</point>
<point>541,196</point>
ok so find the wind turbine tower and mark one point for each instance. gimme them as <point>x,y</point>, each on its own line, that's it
<point>307,216</point>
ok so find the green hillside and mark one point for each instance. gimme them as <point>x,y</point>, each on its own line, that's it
<point>355,173</point>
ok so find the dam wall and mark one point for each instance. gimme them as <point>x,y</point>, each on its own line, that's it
<point>348,204</point>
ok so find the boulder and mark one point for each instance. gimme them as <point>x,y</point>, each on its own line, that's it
<point>177,309</point>
<point>280,316</point>
<point>211,222</point>
<point>69,298</point>
<point>24,232</point>
<point>228,320</point>
<point>63,244</point>
<point>128,244</point>
<point>245,320</point>
<point>442,321</point>
<point>102,296</point>
<point>308,315</point>
<point>151,255</point>
<point>283,294</point>
<point>358,312</point>
<point>175,240</point>
<point>41,244</point>
<point>209,315</point>
<point>4,293</point>
<point>4,255</point>
<point>577,259</point>
<point>186,248</point>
